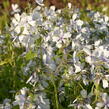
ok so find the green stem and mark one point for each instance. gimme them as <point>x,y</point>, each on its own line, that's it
<point>53,81</point>
<point>56,93</point>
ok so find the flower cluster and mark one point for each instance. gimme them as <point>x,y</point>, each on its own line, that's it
<point>70,56</point>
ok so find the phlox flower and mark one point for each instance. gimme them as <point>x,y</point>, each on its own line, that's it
<point>104,103</point>
<point>61,39</point>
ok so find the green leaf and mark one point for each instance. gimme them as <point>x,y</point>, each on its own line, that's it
<point>30,55</point>
<point>5,62</point>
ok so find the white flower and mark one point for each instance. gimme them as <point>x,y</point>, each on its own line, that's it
<point>24,91</point>
<point>18,29</point>
<point>89,59</point>
<point>106,18</point>
<point>40,2</point>
<point>85,80</point>
<point>84,30</point>
<point>89,106</point>
<point>20,100</point>
<point>105,83</point>
<point>6,101</point>
<point>24,39</point>
<point>69,5</point>
<point>15,8</point>
<point>96,16</point>
<point>71,70</point>
<point>75,16</point>
<point>79,36</point>
<point>97,43</point>
<point>79,22</point>
<point>52,8</point>
<point>31,21</point>
<point>78,67</point>
<point>75,44</point>
<point>75,58</point>
<point>87,51</point>
<point>84,93</point>
<point>41,99</point>
<point>33,79</point>
<point>104,9</point>
<point>47,59</point>
<point>16,19</point>
<point>62,38</point>
<point>104,103</point>
<point>101,51</point>
<point>50,14</point>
